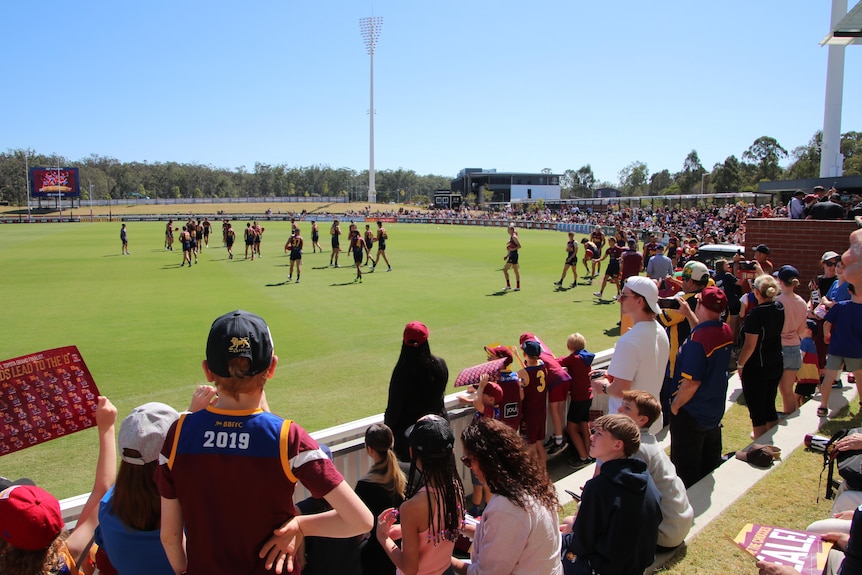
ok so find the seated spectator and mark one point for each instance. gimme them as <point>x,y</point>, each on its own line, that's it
<point>519,531</point>
<point>845,557</point>
<point>621,504</point>
<point>381,488</point>
<point>129,514</point>
<point>33,538</point>
<point>676,511</point>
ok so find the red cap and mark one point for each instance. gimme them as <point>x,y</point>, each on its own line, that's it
<point>30,517</point>
<point>713,299</point>
<point>415,333</point>
<point>494,390</point>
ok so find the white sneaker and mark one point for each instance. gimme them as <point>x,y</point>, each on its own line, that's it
<point>597,294</point>
<point>517,289</point>
<point>507,288</point>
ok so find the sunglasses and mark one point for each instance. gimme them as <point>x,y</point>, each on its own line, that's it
<point>466,460</point>
<point>830,264</point>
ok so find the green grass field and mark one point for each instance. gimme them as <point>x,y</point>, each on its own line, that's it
<point>141,321</point>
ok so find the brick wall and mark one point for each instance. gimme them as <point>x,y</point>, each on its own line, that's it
<point>799,243</point>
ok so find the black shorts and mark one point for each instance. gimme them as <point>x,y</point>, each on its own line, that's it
<point>381,246</point>
<point>315,237</point>
<point>295,255</point>
<point>513,257</point>
<point>334,241</point>
<point>571,260</point>
<point>229,242</point>
<point>579,411</point>
<point>357,255</point>
<point>613,269</point>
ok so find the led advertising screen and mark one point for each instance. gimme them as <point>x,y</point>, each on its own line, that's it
<point>54,182</point>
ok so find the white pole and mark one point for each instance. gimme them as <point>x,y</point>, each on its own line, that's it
<point>831,161</point>
<point>27,179</point>
<point>370,29</point>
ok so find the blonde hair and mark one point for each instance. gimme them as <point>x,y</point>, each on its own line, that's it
<point>576,342</point>
<point>766,286</point>
<point>239,380</point>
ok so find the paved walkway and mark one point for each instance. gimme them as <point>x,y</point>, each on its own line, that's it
<point>715,493</point>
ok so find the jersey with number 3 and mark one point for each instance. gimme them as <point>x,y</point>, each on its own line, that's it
<point>233,473</point>
<point>536,392</point>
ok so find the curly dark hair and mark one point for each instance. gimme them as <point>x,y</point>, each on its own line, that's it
<point>510,468</point>
<point>14,561</point>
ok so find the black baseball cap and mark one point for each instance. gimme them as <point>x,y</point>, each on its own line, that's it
<point>239,334</point>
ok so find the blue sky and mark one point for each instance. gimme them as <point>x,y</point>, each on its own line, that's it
<point>515,86</point>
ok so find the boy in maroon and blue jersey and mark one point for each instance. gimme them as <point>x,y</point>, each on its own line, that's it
<point>227,473</point>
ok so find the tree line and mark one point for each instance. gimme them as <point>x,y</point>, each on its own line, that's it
<point>760,162</point>
<point>108,178</point>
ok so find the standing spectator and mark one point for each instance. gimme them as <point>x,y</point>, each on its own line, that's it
<point>631,262</point>
<point>660,266</point>
<point>416,387</point>
<point>124,237</point>
<point>760,258</point>
<point>695,277</point>
<point>797,206</point>
<point>519,531</point>
<point>795,314</point>
<point>827,209</point>
<point>534,380</point>
<point>699,398</point>
<point>256,456</point>
<point>382,237</point>
<point>578,364</point>
<point>730,286</point>
<point>676,511</point>
<point>760,363</point>
<point>640,355</point>
<point>571,261</point>
<point>620,504</point>
<point>432,514</point>
<point>381,488</point>
<point>511,259</point>
<point>842,331</point>
<point>808,377</point>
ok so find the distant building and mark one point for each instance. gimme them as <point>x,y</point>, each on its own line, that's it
<point>506,187</point>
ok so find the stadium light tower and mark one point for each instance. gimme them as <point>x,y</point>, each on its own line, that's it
<point>370,29</point>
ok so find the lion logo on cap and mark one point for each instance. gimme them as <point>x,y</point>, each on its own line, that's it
<point>239,345</point>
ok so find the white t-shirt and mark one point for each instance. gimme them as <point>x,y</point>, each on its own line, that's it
<point>516,541</point>
<point>641,356</point>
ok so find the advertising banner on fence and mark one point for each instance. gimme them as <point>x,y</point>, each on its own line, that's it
<point>45,395</point>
